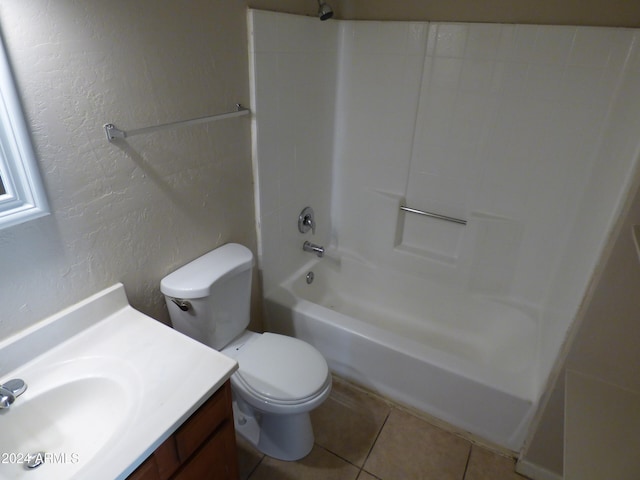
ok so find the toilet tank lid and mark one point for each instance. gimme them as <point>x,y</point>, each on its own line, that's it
<point>194,280</point>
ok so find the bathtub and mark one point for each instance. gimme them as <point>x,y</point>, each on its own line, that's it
<point>465,359</point>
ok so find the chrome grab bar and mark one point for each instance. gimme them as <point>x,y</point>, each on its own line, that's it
<point>433,215</point>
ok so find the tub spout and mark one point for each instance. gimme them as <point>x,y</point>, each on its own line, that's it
<point>313,248</point>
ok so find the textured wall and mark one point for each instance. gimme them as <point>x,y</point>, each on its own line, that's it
<point>298,7</point>
<point>136,210</point>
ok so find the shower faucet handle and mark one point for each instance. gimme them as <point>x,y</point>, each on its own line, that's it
<point>309,223</point>
<point>306,221</point>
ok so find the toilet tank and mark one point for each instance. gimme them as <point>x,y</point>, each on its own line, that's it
<point>215,290</point>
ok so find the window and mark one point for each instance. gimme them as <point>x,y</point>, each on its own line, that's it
<point>22,196</point>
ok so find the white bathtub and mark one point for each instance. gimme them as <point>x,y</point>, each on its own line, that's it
<point>465,359</point>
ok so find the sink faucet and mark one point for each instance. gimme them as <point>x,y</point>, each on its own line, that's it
<point>10,390</point>
<point>313,248</point>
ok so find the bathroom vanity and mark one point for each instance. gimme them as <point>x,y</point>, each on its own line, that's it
<point>203,447</point>
<point>114,394</point>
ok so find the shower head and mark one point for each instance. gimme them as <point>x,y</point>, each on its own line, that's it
<point>324,10</point>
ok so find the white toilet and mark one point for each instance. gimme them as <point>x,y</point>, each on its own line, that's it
<point>280,379</point>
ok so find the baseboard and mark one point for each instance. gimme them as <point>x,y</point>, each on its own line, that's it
<point>536,472</point>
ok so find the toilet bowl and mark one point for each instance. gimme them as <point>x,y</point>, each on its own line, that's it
<point>279,379</point>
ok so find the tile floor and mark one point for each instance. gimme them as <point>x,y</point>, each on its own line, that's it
<point>360,436</point>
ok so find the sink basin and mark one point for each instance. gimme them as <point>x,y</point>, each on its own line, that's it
<point>69,413</point>
<point>102,394</point>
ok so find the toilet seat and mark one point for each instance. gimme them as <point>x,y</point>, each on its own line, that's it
<point>277,372</point>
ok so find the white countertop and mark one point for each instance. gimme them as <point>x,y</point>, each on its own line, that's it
<point>145,378</point>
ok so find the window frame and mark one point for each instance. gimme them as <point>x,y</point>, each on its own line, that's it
<point>24,198</point>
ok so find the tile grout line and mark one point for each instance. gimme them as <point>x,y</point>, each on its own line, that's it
<point>328,450</point>
<point>346,460</point>
<point>430,419</point>
<point>360,469</point>
<point>256,467</point>
<point>374,443</point>
<point>466,467</point>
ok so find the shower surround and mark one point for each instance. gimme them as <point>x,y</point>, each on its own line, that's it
<point>529,133</point>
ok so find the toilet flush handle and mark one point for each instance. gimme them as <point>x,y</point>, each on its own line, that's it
<point>183,305</point>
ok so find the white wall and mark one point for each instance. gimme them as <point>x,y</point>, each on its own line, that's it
<point>602,198</point>
<point>507,129</point>
<point>522,130</point>
<point>293,73</point>
<point>604,340</point>
<point>135,211</point>
<point>378,89</point>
